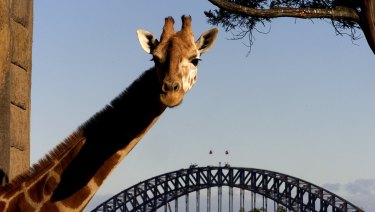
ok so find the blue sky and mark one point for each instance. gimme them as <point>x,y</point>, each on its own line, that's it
<point>302,103</point>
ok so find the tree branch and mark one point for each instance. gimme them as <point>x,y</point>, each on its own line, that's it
<point>338,13</point>
<point>367,22</point>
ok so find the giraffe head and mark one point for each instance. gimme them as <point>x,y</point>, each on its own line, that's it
<point>176,57</point>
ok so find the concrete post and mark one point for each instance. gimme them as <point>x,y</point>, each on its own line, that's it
<point>16,27</point>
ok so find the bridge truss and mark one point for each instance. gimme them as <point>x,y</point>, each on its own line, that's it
<point>292,193</point>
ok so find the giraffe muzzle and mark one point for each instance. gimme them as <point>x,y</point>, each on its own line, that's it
<point>171,86</point>
<point>172,93</point>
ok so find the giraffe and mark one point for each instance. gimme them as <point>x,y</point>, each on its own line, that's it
<point>68,177</point>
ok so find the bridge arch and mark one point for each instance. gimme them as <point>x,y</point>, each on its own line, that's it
<point>293,193</point>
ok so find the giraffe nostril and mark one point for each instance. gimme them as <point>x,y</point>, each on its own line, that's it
<point>164,87</point>
<point>176,86</point>
<point>170,86</point>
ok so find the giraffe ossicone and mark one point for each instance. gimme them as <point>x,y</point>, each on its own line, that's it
<point>69,176</point>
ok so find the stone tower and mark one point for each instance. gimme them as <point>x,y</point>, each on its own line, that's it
<point>16,28</point>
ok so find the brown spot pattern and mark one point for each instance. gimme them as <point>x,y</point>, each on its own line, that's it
<point>36,191</point>
<point>2,206</point>
<point>76,200</point>
<point>50,186</point>
<point>49,207</point>
<point>19,203</point>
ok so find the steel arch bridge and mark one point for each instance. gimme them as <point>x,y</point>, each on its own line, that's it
<point>293,193</point>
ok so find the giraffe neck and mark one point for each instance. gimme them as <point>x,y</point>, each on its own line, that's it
<point>71,174</point>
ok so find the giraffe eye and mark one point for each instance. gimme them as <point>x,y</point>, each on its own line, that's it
<point>195,61</point>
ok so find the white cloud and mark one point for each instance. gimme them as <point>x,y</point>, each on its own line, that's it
<point>361,186</point>
<point>360,192</point>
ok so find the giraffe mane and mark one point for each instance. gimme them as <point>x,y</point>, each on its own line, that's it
<point>56,153</point>
<point>68,143</point>
<point>44,163</point>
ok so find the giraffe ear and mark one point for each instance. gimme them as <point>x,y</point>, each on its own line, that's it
<point>206,41</point>
<point>147,40</point>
